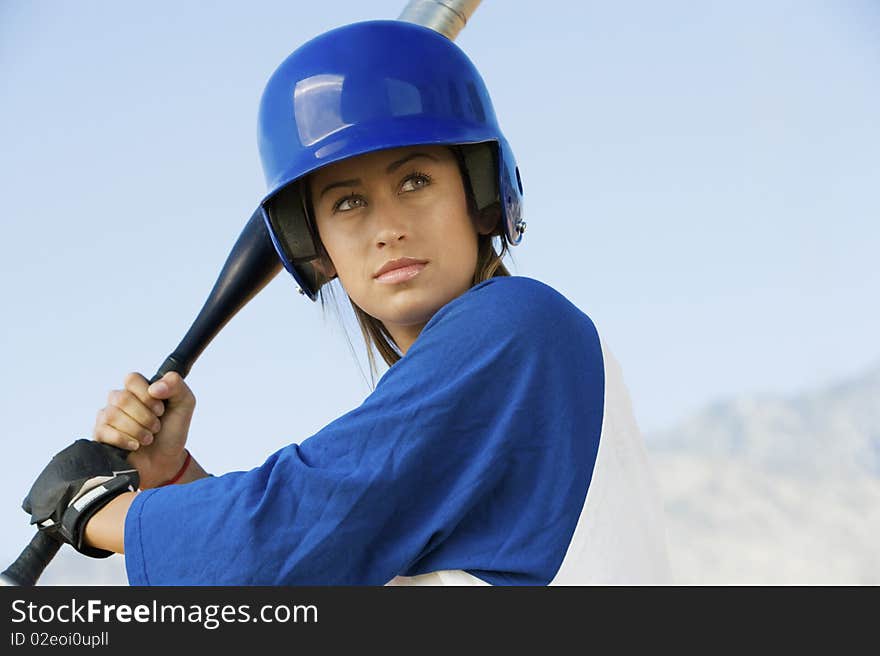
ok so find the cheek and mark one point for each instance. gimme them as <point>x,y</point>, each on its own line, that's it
<point>347,258</point>
<point>337,246</point>
<point>459,234</point>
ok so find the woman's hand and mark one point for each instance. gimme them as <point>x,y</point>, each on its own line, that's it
<point>136,419</point>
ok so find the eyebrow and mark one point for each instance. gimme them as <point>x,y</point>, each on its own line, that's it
<point>390,169</point>
<point>403,160</point>
<point>342,183</point>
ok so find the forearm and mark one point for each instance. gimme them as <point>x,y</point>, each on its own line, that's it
<point>106,528</point>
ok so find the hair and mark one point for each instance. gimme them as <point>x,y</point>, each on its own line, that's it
<point>489,265</point>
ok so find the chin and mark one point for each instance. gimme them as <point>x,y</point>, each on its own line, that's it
<point>409,314</point>
<point>408,307</point>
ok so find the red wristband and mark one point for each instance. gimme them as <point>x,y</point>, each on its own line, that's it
<point>183,468</point>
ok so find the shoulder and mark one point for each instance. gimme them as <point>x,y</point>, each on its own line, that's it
<point>517,303</point>
<point>512,288</point>
<point>508,323</point>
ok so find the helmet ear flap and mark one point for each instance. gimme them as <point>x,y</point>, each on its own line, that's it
<point>287,212</point>
<point>480,162</point>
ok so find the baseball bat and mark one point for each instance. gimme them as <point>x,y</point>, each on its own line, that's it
<point>251,264</point>
<point>445,16</point>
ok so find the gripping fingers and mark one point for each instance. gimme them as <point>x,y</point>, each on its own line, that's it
<point>129,404</point>
<point>131,417</point>
<point>137,385</point>
<point>121,420</point>
<point>109,435</point>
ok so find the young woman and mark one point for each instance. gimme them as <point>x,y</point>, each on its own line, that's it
<point>499,447</point>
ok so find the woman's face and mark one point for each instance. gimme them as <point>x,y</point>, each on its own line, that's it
<point>400,203</point>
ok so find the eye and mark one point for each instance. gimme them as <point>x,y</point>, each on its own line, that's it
<point>415,181</point>
<point>348,203</point>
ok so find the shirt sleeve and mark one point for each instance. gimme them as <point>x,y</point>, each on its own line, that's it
<point>474,452</point>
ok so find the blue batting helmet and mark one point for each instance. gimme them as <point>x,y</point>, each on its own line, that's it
<point>366,87</point>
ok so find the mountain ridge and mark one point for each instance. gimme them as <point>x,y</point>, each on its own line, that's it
<point>829,431</point>
<point>768,489</point>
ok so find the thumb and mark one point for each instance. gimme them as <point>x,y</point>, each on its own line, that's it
<point>172,389</point>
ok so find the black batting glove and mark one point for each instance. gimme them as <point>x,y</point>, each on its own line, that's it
<point>77,483</point>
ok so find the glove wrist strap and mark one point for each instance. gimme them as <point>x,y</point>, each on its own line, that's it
<point>80,511</point>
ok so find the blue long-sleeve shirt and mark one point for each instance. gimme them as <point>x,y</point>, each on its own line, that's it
<point>474,453</point>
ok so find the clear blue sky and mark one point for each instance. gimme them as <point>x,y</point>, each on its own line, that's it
<point>701,178</point>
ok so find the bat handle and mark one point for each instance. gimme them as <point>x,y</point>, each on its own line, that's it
<point>31,562</point>
<point>172,363</point>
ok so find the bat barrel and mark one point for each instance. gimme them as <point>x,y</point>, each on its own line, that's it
<point>251,264</point>
<point>447,17</point>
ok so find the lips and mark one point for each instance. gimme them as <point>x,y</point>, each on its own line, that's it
<point>399,263</point>
<point>409,263</point>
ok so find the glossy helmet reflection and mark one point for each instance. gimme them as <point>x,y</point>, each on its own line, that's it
<point>366,87</point>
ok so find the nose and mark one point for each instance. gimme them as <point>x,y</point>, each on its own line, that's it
<point>389,236</point>
<point>391,226</point>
